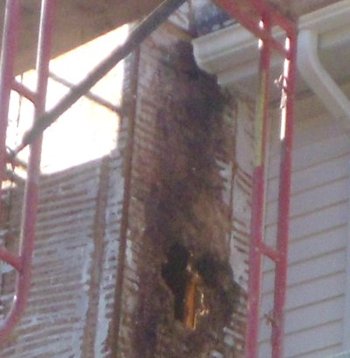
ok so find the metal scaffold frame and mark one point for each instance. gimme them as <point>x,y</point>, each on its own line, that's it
<point>22,261</point>
<point>257,16</point>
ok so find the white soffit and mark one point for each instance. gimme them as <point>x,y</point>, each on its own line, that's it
<point>232,53</point>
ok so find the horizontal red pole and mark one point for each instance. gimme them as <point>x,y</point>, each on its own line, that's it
<point>11,259</point>
<point>247,21</point>
<point>24,91</point>
<point>14,161</point>
<point>263,7</point>
<point>277,18</point>
<point>269,252</point>
<point>136,37</point>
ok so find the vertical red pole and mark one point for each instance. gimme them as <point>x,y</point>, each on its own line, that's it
<point>286,136</point>
<point>31,191</point>
<point>8,53</point>
<point>258,199</point>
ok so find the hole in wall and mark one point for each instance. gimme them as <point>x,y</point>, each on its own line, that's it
<point>186,284</point>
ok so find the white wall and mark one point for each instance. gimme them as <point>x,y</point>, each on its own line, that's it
<point>318,237</point>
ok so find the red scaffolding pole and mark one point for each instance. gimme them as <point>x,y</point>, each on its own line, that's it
<point>259,17</point>
<point>22,260</point>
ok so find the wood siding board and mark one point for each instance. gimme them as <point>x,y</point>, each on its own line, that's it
<point>314,199</point>
<point>318,241</point>
<point>318,338</point>
<point>309,317</point>
<point>321,353</point>
<point>315,222</point>
<point>306,294</point>
<point>316,154</point>
<point>313,268</point>
<point>53,324</point>
<point>310,177</point>
<point>315,245</point>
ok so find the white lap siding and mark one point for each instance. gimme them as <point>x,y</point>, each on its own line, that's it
<point>318,236</point>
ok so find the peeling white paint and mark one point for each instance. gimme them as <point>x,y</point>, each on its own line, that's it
<point>102,331</point>
<point>111,252</point>
<point>226,174</point>
<point>239,266</point>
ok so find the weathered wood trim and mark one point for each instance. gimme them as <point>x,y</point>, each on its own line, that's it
<point>91,323</point>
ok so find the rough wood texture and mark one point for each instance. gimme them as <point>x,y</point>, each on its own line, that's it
<point>180,196</point>
<point>74,266</point>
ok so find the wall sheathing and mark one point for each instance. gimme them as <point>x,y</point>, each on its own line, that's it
<point>317,288</point>
<point>185,180</point>
<point>189,184</point>
<point>74,267</point>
